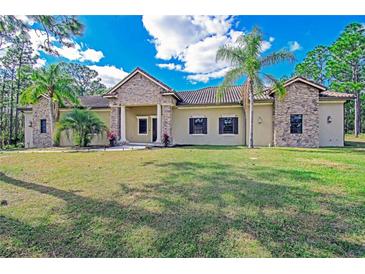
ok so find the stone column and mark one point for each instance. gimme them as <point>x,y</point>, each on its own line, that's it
<point>167,121</point>
<point>122,124</point>
<point>159,120</point>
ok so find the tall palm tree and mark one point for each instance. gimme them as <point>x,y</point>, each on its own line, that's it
<point>246,61</point>
<point>54,85</point>
<point>83,123</point>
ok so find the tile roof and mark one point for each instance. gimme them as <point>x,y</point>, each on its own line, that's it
<point>335,95</point>
<point>208,95</point>
<point>92,101</point>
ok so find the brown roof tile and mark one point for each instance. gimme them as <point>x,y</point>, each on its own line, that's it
<point>92,102</point>
<point>208,95</point>
<point>335,95</point>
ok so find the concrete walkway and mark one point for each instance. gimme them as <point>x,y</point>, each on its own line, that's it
<point>71,149</point>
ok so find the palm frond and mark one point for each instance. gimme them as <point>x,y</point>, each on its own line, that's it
<point>277,86</point>
<point>229,53</point>
<point>230,78</point>
<point>277,57</point>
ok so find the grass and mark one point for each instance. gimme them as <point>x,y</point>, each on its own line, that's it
<point>184,202</point>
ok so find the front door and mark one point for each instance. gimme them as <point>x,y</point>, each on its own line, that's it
<point>154,129</point>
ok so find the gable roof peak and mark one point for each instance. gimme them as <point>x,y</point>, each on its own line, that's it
<point>133,73</point>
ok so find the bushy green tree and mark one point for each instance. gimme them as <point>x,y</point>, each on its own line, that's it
<point>86,80</point>
<point>314,65</point>
<point>346,67</point>
<point>342,67</point>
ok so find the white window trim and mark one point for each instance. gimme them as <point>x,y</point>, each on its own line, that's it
<point>228,116</point>
<point>139,118</point>
<point>197,134</point>
<point>152,117</point>
<point>229,134</point>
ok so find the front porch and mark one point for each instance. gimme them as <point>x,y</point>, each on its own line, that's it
<point>140,125</point>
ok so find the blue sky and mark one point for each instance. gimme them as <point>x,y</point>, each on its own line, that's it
<point>179,50</point>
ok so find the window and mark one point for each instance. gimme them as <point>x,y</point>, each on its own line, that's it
<point>228,125</point>
<point>198,126</point>
<point>43,126</point>
<point>296,123</point>
<point>142,126</point>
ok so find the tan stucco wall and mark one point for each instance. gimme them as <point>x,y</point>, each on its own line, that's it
<point>132,123</point>
<point>28,131</point>
<point>331,134</point>
<point>98,140</point>
<point>180,127</point>
<point>262,132</point>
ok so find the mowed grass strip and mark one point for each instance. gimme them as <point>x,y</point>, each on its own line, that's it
<point>185,202</point>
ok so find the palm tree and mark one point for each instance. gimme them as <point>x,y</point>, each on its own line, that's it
<point>52,84</point>
<point>246,61</point>
<point>83,123</point>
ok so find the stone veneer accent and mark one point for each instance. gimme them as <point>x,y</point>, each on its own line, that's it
<point>167,121</point>
<point>141,91</point>
<point>41,111</point>
<point>115,120</point>
<point>300,99</point>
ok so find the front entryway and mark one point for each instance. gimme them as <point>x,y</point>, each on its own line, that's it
<point>154,129</point>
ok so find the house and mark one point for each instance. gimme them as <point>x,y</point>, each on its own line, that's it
<point>141,109</point>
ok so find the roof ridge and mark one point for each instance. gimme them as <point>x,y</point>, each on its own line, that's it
<point>209,87</point>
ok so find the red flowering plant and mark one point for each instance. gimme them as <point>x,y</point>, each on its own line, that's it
<point>112,137</point>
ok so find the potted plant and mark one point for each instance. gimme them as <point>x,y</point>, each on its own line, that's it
<point>112,137</point>
<point>166,140</point>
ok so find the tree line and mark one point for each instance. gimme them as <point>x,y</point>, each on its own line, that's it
<point>341,67</point>
<point>18,68</point>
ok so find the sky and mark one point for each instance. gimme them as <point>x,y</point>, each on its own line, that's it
<point>180,50</point>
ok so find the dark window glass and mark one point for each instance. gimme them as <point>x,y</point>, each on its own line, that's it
<point>296,123</point>
<point>43,126</point>
<point>228,125</point>
<point>198,125</point>
<point>142,126</point>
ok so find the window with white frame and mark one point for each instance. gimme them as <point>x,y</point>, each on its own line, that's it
<point>142,125</point>
<point>228,125</point>
<point>198,125</point>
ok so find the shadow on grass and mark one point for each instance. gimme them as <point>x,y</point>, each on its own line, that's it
<point>201,205</point>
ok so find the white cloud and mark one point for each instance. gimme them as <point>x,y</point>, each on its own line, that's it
<point>40,63</point>
<point>170,66</point>
<point>173,34</point>
<point>77,52</point>
<point>25,19</point>
<point>266,45</point>
<point>193,41</point>
<point>205,77</point>
<point>294,46</point>
<point>110,75</point>
<point>91,55</point>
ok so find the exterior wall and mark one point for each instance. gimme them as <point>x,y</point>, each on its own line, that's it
<point>41,111</point>
<point>331,134</point>
<point>141,91</point>
<point>132,123</point>
<point>28,130</point>
<point>180,126</point>
<point>262,124</point>
<point>97,140</point>
<point>300,99</point>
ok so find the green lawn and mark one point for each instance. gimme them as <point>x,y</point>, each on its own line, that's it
<point>184,202</point>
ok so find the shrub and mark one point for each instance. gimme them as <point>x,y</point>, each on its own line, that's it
<point>83,123</point>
